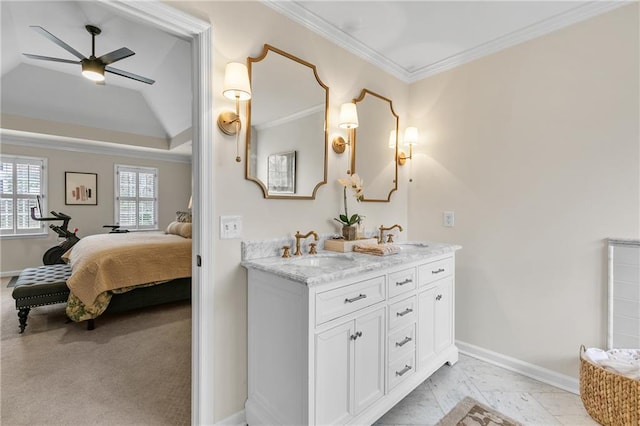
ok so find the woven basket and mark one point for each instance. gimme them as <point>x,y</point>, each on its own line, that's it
<point>608,397</point>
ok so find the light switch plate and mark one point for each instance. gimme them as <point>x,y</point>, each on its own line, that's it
<point>230,227</point>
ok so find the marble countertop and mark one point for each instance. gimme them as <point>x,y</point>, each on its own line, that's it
<point>327,266</point>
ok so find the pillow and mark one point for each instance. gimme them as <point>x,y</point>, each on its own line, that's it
<point>179,228</point>
<point>183,217</point>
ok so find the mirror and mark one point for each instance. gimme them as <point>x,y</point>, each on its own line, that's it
<point>286,117</point>
<point>373,154</point>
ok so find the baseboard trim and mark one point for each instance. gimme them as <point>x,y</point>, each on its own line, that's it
<point>236,419</point>
<point>5,274</point>
<point>533,371</point>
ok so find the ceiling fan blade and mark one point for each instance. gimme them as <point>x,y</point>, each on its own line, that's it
<point>48,58</point>
<point>116,55</point>
<point>129,75</point>
<point>57,41</point>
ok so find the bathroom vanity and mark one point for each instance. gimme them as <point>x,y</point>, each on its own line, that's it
<point>340,338</point>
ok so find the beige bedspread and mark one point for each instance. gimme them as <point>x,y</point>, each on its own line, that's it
<point>106,262</point>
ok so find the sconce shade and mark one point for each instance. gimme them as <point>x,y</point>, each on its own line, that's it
<point>93,69</point>
<point>236,82</point>
<point>348,116</point>
<point>411,136</point>
<point>392,139</point>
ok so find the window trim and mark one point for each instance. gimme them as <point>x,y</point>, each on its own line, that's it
<point>116,202</point>
<point>42,231</point>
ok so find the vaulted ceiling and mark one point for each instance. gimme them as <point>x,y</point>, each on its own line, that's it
<point>408,39</point>
<point>38,93</point>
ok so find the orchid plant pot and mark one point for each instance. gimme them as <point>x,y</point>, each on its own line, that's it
<point>349,232</point>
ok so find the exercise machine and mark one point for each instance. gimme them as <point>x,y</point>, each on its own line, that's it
<point>54,254</point>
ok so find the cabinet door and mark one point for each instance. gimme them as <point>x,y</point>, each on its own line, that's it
<point>435,310</point>
<point>334,358</point>
<point>369,359</point>
<point>443,336</point>
<point>426,326</point>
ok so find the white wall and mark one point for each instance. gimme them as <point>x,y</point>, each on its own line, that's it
<point>239,30</point>
<point>174,183</point>
<point>536,149</point>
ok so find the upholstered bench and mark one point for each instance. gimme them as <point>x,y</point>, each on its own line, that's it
<point>39,286</point>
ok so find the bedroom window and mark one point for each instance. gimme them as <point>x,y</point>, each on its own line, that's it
<point>22,180</point>
<point>136,204</point>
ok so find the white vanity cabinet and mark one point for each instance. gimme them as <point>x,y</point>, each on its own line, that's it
<point>435,307</point>
<point>349,372</point>
<point>347,349</point>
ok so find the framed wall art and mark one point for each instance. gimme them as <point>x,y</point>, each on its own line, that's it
<point>281,173</point>
<point>81,188</point>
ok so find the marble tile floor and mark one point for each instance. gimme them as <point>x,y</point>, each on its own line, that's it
<point>526,400</point>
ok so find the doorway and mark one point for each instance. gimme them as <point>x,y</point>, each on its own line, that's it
<point>199,33</point>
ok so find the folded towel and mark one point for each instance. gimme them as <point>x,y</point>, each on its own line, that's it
<point>377,249</point>
<point>622,361</point>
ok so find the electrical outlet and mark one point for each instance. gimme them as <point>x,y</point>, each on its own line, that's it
<point>448,219</point>
<point>230,227</point>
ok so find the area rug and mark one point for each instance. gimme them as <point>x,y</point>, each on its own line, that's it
<point>470,412</point>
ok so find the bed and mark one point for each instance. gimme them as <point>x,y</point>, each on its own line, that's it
<point>116,272</point>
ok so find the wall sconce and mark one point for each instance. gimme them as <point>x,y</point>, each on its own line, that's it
<point>348,120</point>
<point>393,139</point>
<point>410,139</point>
<point>236,87</point>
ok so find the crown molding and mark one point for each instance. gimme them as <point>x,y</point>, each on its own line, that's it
<point>299,14</point>
<point>63,143</point>
<point>324,28</point>
<point>291,117</point>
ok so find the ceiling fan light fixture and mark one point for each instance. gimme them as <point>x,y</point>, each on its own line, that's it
<point>93,70</point>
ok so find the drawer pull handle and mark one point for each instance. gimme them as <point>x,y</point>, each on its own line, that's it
<point>407,281</point>
<point>355,336</point>
<point>403,371</point>
<point>405,312</point>
<point>404,342</point>
<point>353,299</point>
<point>437,271</point>
<point>438,297</point>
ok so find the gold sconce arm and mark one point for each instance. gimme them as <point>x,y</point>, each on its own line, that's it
<point>349,121</point>
<point>229,121</point>
<point>238,87</point>
<point>339,145</point>
<point>402,157</point>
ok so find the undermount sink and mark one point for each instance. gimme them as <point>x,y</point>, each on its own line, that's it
<point>320,261</point>
<point>412,246</point>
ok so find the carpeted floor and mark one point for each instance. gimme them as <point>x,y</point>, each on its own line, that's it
<point>134,368</point>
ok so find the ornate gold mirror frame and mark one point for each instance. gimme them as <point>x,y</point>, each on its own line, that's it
<point>286,145</point>
<point>375,146</point>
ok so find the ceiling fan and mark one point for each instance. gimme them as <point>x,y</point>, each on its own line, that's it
<point>92,68</point>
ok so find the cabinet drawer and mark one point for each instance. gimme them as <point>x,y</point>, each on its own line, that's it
<point>344,300</point>
<point>401,369</point>
<point>402,313</point>
<point>401,282</point>
<point>402,342</point>
<point>433,271</point>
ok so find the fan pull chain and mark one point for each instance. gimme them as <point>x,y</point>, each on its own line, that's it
<point>237,129</point>
<point>411,171</point>
<point>238,141</point>
<point>350,138</point>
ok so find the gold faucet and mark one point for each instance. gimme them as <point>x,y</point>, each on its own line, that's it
<point>390,236</point>
<point>299,236</point>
